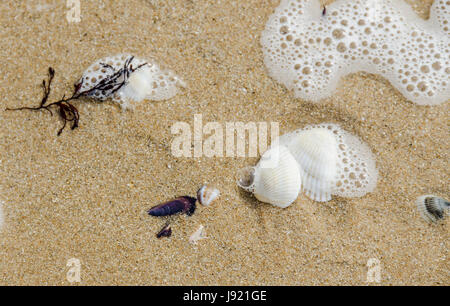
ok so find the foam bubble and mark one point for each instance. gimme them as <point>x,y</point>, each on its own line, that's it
<point>146,81</point>
<point>309,52</point>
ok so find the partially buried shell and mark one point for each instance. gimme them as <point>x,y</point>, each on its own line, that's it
<point>207,194</point>
<point>184,204</point>
<point>432,208</point>
<point>275,179</point>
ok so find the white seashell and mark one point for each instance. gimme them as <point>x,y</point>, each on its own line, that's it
<point>207,194</point>
<point>275,179</point>
<point>326,159</point>
<point>316,152</point>
<point>332,161</point>
<point>432,208</point>
<point>198,235</point>
<point>138,80</point>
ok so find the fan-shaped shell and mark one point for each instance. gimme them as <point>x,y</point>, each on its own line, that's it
<point>332,161</point>
<point>432,208</point>
<point>316,152</point>
<point>275,179</point>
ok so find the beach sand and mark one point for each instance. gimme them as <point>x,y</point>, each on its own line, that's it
<point>84,194</point>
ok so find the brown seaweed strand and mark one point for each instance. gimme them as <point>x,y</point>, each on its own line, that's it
<point>69,113</point>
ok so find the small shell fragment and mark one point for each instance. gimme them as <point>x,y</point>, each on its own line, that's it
<point>207,194</point>
<point>198,235</point>
<point>166,231</point>
<point>432,208</point>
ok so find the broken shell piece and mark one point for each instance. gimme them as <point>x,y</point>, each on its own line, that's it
<point>275,179</point>
<point>185,204</point>
<point>166,231</point>
<point>432,208</point>
<point>207,194</point>
<point>198,235</point>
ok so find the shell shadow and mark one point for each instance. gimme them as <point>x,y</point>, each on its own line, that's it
<point>255,205</point>
<point>326,112</point>
<point>341,209</point>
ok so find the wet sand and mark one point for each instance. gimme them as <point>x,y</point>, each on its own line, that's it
<point>85,194</point>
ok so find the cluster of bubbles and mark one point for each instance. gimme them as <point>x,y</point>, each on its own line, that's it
<point>356,172</point>
<point>308,49</point>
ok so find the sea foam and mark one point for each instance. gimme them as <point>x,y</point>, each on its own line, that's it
<point>308,49</point>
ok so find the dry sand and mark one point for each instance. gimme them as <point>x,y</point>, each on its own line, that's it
<point>85,194</point>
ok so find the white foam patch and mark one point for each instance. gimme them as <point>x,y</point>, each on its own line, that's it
<point>148,81</point>
<point>309,52</point>
<point>356,173</point>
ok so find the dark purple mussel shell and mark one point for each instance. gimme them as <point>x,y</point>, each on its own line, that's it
<point>183,204</point>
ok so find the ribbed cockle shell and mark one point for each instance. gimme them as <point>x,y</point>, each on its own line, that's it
<point>275,179</point>
<point>332,161</point>
<point>316,152</point>
<point>432,208</point>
